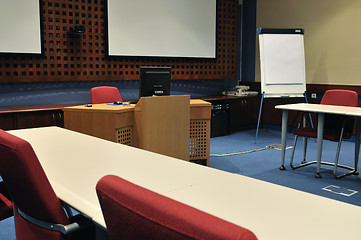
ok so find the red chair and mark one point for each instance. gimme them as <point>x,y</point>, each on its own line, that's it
<point>104,94</point>
<point>6,206</point>
<point>336,128</point>
<point>38,212</point>
<point>133,212</point>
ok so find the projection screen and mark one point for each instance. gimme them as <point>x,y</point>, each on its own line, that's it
<point>164,28</point>
<point>20,26</point>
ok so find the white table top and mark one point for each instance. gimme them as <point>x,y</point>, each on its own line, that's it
<point>75,162</point>
<point>321,108</point>
<point>272,211</point>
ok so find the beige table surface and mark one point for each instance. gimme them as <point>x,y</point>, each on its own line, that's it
<point>272,211</point>
<point>74,163</point>
<point>323,108</point>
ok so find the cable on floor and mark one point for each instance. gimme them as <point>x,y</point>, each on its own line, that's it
<point>272,146</point>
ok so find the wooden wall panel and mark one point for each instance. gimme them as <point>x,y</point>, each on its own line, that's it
<point>72,57</point>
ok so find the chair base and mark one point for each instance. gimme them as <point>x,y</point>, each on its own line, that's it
<point>352,171</point>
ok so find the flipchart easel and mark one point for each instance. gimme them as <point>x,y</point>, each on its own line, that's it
<point>282,64</point>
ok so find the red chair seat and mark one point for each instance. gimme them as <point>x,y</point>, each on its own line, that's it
<point>328,134</point>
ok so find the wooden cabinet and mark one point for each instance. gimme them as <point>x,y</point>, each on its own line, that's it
<point>30,117</point>
<point>242,114</point>
<point>39,119</point>
<point>150,125</point>
<point>7,121</point>
<point>242,111</point>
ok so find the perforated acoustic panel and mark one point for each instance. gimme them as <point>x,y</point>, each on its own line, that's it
<point>124,135</point>
<point>199,146</point>
<point>82,57</point>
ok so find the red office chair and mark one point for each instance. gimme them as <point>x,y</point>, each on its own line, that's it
<point>104,94</point>
<point>336,128</point>
<point>6,206</point>
<point>37,210</point>
<point>133,212</point>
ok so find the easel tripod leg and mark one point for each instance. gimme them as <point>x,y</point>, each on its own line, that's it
<point>259,116</point>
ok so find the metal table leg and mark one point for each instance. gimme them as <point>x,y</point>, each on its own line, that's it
<point>320,128</point>
<point>284,135</point>
<point>357,142</point>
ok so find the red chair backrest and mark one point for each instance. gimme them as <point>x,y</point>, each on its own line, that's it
<point>333,123</point>
<point>133,212</point>
<point>29,188</point>
<point>104,94</point>
<point>340,97</point>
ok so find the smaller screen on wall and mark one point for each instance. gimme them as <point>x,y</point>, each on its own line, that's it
<point>162,28</point>
<point>20,30</point>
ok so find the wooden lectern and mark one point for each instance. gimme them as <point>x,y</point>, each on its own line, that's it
<point>162,125</point>
<point>171,125</point>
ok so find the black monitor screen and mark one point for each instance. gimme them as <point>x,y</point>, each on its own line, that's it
<point>154,81</point>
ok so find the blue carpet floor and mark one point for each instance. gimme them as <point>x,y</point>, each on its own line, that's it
<point>7,229</point>
<point>264,165</point>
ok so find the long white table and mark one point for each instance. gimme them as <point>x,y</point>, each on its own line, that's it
<point>74,162</point>
<point>321,110</point>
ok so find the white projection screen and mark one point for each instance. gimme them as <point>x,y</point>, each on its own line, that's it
<point>162,28</point>
<point>20,28</point>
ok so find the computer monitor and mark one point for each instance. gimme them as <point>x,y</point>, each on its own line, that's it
<point>154,81</point>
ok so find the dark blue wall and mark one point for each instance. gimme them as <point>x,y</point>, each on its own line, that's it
<point>25,94</point>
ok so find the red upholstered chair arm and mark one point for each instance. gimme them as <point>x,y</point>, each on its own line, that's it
<point>6,201</point>
<point>37,209</point>
<point>6,207</point>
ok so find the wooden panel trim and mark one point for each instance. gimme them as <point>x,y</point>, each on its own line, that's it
<point>321,88</point>
<point>19,109</point>
<point>312,88</point>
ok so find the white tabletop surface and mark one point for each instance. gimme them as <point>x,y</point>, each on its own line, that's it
<point>75,162</point>
<point>272,211</point>
<point>321,108</point>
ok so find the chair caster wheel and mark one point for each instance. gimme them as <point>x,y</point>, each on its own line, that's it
<point>282,168</point>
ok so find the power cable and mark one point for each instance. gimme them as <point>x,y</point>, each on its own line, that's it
<point>272,146</point>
